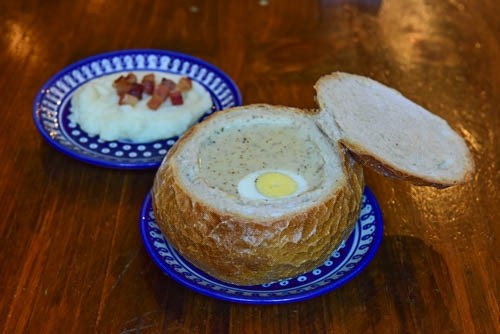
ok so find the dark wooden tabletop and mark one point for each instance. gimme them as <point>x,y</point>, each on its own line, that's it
<point>72,259</point>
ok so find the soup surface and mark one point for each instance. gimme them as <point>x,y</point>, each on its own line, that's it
<point>229,155</point>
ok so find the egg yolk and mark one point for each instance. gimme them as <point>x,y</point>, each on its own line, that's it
<point>275,185</point>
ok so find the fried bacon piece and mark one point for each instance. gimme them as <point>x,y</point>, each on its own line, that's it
<point>155,102</point>
<point>184,84</point>
<point>131,77</point>
<point>148,82</point>
<point>136,90</point>
<point>121,85</point>
<point>161,93</point>
<point>176,98</point>
<point>127,85</point>
<point>168,83</point>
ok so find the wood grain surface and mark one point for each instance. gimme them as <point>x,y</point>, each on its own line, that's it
<point>72,259</point>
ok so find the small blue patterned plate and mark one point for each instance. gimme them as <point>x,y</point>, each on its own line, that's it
<point>52,105</point>
<point>344,263</point>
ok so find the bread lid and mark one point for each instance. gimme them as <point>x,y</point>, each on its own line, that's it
<point>388,132</point>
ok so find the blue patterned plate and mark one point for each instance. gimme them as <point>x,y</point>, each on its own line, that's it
<point>53,104</point>
<point>344,263</point>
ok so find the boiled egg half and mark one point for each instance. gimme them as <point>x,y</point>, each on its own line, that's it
<point>271,185</point>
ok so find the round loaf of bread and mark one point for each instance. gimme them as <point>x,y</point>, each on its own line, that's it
<point>217,199</point>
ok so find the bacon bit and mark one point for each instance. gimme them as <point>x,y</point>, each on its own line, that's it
<point>131,78</point>
<point>148,82</point>
<point>121,85</point>
<point>168,83</point>
<point>136,90</point>
<point>128,99</point>
<point>155,102</point>
<point>184,84</point>
<point>176,98</point>
<point>162,91</point>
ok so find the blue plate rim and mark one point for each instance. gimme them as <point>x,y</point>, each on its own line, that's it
<point>87,60</point>
<point>360,266</point>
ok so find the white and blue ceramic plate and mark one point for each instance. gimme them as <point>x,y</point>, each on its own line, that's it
<point>52,105</point>
<point>344,263</point>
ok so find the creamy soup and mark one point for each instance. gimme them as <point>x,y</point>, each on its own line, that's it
<point>229,155</point>
<point>95,108</point>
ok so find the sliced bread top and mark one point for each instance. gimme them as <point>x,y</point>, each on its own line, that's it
<point>390,133</point>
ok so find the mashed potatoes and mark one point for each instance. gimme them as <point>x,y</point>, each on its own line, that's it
<point>96,110</point>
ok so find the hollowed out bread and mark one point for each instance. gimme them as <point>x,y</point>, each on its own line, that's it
<point>250,241</point>
<point>390,133</point>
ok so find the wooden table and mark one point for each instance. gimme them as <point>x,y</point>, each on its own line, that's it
<point>72,259</point>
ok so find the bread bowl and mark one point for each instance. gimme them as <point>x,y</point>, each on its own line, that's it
<point>247,241</point>
<point>242,237</point>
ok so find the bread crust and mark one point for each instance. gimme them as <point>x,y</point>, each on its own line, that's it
<point>378,165</point>
<point>243,251</point>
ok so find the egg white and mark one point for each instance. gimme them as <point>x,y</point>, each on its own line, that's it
<point>247,188</point>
